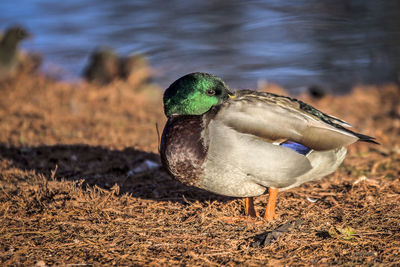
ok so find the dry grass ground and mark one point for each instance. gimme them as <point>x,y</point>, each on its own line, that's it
<point>74,187</point>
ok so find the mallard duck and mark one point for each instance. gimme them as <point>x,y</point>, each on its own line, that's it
<point>242,143</point>
<point>103,66</point>
<point>9,52</point>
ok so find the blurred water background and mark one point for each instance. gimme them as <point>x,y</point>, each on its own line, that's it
<point>331,44</point>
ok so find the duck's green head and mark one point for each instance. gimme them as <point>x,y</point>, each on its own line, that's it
<point>194,94</point>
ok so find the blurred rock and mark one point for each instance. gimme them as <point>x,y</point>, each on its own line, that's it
<point>9,51</point>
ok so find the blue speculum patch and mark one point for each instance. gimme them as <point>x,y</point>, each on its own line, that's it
<point>299,148</point>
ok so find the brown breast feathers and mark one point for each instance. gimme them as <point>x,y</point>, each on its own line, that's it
<point>182,148</point>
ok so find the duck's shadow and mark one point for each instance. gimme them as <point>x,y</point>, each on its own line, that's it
<point>136,172</point>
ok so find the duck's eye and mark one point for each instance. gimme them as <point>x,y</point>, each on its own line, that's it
<point>210,92</point>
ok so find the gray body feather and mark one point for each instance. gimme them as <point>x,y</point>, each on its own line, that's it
<point>242,165</point>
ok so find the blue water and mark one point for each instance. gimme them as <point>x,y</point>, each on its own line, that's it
<point>332,44</point>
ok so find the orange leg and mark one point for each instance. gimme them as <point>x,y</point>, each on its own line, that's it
<point>270,210</point>
<point>250,211</point>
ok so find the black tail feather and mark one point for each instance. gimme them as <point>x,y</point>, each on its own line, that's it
<point>366,138</point>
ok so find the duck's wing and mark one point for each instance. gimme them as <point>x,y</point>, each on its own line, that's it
<point>278,118</point>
